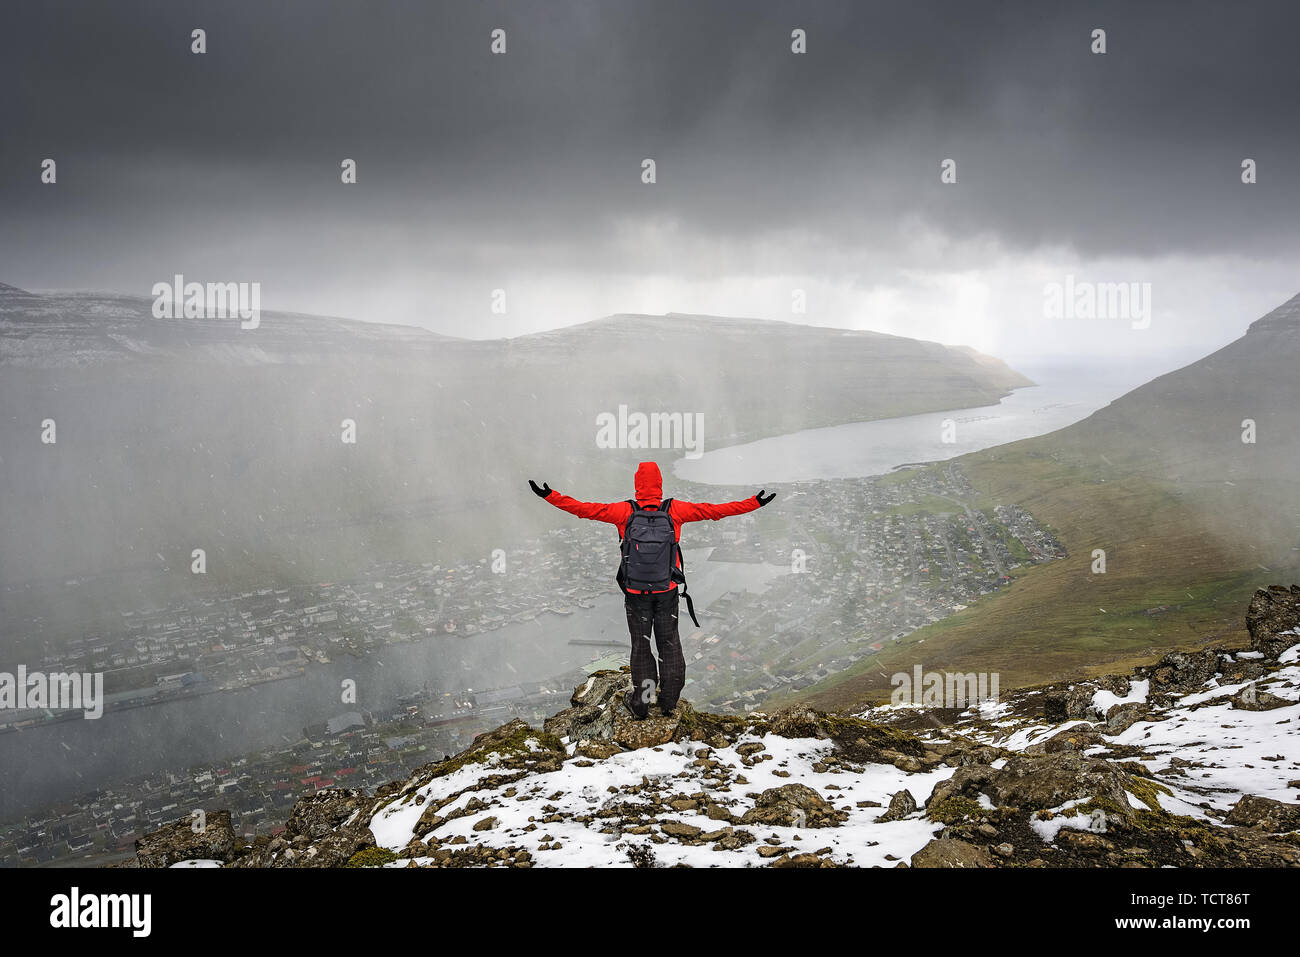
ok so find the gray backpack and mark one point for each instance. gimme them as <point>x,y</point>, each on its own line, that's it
<point>650,554</point>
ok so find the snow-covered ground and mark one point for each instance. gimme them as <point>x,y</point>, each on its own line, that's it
<point>1228,751</point>
<point>1207,752</point>
<point>575,790</point>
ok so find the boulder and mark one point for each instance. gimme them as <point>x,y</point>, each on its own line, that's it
<point>657,729</point>
<point>179,841</point>
<point>1074,738</point>
<point>1047,781</point>
<point>1251,698</point>
<point>1182,672</point>
<point>1121,717</point>
<point>1238,670</point>
<point>686,833</point>
<point>324,830</point>
<point>1071,704</point>
<point>601,688</point>
<point>514,746</point>
<point>1037,782</point>
<point>583,723</point>
<point>596,750</point>
<point>1273,619</point>
<point>799,722</point>
<point>793,805</point>
<point>1276,817</point>
<point>950,852</point>
<point>900,805</point>
<point>318,814</point>
<point>1118,685</point>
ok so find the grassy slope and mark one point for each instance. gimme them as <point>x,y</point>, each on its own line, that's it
<point>1059,620</point>
<point>1189,517</point>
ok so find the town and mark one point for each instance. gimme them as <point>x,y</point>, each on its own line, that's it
<point>853,564</point>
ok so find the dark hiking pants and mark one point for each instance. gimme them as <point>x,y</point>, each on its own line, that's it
<point>655,613</point>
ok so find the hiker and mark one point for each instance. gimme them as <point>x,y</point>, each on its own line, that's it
<point>651,568</point>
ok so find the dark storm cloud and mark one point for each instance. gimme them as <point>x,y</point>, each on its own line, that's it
<point>1135,152</point>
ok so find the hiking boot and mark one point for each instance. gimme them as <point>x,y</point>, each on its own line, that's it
<point>629,701</point>
<point>667,707</point>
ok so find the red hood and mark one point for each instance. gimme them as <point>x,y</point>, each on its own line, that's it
<point>649,484</point>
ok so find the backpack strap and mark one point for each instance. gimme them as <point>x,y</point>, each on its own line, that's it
<point>679,570</point>
<point>622,583</point>
<point>635,509</point>
<point>690,605</point>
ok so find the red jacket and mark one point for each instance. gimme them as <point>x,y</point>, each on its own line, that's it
<point>649,491</point>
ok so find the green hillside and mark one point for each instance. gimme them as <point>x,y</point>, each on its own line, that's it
<point>1191,519</point>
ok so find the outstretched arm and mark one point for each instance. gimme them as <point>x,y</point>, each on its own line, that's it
<point>613,512</point>
<point>699,511</point>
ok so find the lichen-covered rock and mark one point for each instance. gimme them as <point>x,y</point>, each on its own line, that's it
<point>1073,703</point>
<point>799,722</point>
<point>179,841</point>
<point>1032,781</point>
<point>900,805</point>
<point>1251,698</point>
<point>1239,670</point>
<point>1182,672</point>
<point>949,852</point>
<point>601,688</point>
<point>317,814</point>
<point>1075,738</point>
<point>657,729</point>
<point>596,750</point>
<point>325,829</point>
<point>793,805</point>
<point>1276,817</point>
<point>335,849</point>
<point>583,723</point>
<point>1039,781</point>
<point>856,740</point>
<point>1118,685</point>
<point>1121,717</point>
<point>716,730</point>
<point>1273,619</point>
<point>515,746</point>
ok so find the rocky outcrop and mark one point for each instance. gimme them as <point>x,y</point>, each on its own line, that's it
<point>793,805</point>
<point>1039,782</point>
<point>695,788</point>
<point>325,829</point>
<point>950,852</point>
<point>599,723</point>
<point>900,806</point>
<point>1276,817</point>
<point>208,837</point>
<point>1273,619</point>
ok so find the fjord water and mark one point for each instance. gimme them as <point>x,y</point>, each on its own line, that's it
<point>1062,397</point>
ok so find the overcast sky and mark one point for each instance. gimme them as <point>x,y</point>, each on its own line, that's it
<point>776,171</point>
